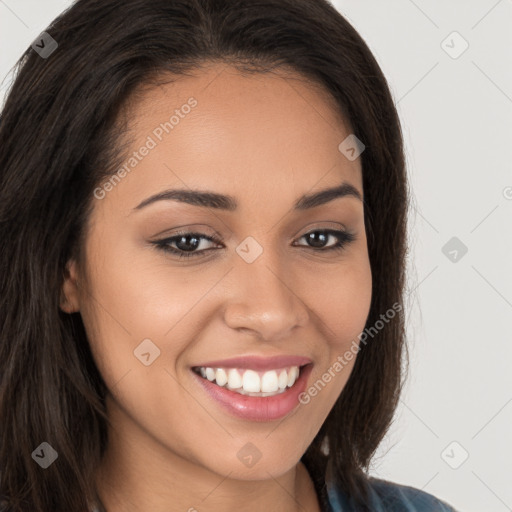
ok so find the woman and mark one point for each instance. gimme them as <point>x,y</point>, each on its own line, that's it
<point>203,214</point>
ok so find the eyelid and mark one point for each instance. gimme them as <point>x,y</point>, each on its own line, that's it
<point>320,226</point>
<point>203,229</point>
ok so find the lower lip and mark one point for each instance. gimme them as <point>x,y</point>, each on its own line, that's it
<point>258,408</point>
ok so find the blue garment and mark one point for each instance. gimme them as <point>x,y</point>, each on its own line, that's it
<point>388,497</point>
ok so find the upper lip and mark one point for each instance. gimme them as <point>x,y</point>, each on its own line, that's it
<point>257,362</point>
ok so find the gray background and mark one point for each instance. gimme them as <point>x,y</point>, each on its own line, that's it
<point>456,111</point>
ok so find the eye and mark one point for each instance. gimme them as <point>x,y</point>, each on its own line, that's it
<point>319,237</point>
<point>188,243</point>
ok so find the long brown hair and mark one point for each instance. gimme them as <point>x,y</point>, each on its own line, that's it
<point>60,136</point>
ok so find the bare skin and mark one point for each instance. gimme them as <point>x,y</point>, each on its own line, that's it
<point>266,140</point>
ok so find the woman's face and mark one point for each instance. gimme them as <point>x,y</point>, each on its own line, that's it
<point>268,287</point>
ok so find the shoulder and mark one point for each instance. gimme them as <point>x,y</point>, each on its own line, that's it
<point>386,496</point>
<point>404,498</point>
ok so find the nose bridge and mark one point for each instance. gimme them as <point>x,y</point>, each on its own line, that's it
<point>263,299</point>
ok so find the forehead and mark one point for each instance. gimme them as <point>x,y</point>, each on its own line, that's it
<point>239,134</point>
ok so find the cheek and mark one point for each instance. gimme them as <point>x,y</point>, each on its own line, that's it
<point>133,309</point>
<point>133,294</point>
<point>342,305</point>
<point>342,299</point>
<point>127,301</point>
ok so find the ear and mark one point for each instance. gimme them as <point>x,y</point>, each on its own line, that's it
<point>69,297</point>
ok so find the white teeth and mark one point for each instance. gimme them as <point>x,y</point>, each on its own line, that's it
<point>283,379</point>
<point>250,382</point>
<point>292,376</point>
<point>269,382</point>
<point>234,379</point>
<point>221,377</point>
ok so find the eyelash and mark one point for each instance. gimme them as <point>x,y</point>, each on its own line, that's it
<point>344,238</point>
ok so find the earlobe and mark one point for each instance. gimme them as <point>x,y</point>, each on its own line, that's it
<point>69,297</point>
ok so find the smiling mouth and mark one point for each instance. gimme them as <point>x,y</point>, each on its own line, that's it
<point>251,382</point>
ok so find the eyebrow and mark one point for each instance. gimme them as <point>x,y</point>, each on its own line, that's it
<point>218,201</point>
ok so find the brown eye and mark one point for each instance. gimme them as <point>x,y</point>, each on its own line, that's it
<point>319,237</point>
<point>186,244</point>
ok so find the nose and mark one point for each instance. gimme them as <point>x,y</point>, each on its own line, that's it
<point>264,301</point>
